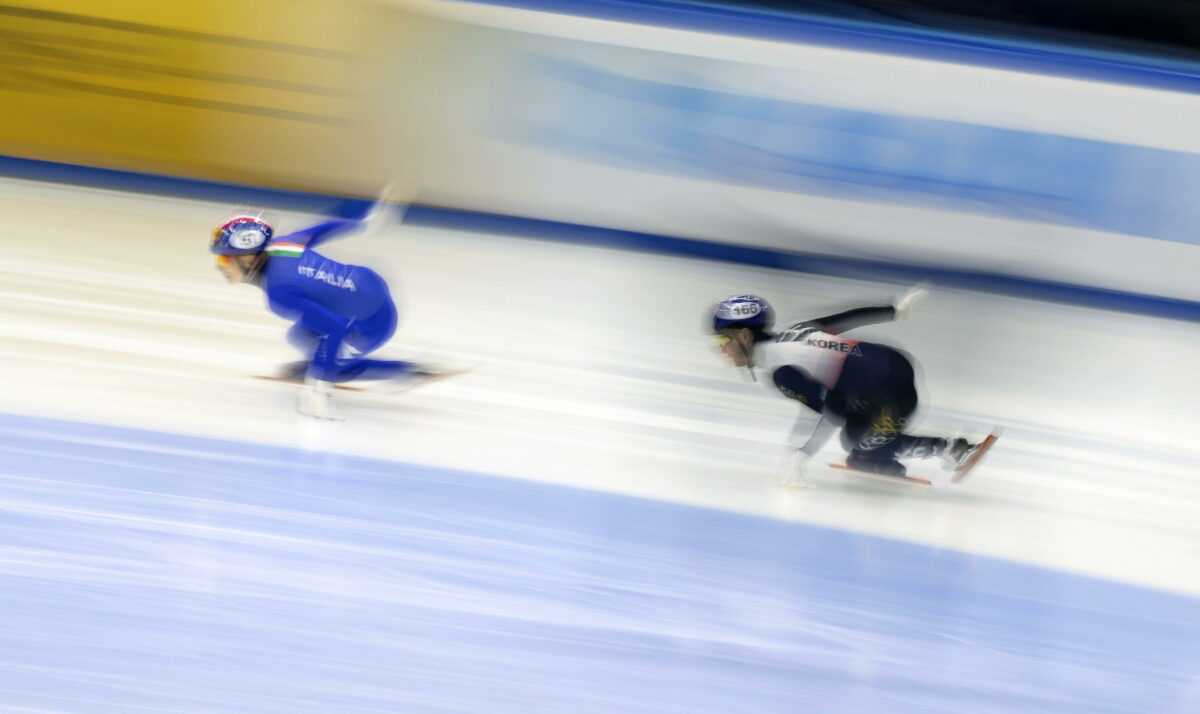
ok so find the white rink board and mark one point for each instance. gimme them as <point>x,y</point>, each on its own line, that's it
<point>578,120</point>
<point>593,372</point>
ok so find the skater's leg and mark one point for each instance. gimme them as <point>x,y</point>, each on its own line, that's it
<point>364,337</point>
<point>878,444</point>
<point>372,369</point>
<point>874,441</point>
<point>877,439</point>
<point>372,332</point>
<point>303,339</point>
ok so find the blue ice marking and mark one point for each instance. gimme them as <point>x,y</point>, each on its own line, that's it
<point>151,572</point>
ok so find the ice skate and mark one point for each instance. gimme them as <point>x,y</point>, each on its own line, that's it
<point>967,455</point>
<point>423,375</point>
<point>296,372</point>
<point>316,401</point>
<point>293,372</point>
<point>957,453</point>
<point>892,471</point>
<point>919,483</point>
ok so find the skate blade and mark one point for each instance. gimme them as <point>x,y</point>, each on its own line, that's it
<point>910,481</point>
<point>966,468</point>
<point>286,380</point>
<point>425,381</point>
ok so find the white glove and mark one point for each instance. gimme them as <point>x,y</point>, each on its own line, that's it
<point>793,472</point>
<point>316,400</point>
<point>909,301</point>
<point>379,217</point>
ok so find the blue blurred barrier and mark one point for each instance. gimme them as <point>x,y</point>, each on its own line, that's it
<point>607,117</point>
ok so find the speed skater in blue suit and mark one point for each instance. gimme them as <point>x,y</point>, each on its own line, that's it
<point>340,313</point>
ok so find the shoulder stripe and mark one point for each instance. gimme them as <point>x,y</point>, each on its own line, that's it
<point>285,249</point>
<point>796,332</point>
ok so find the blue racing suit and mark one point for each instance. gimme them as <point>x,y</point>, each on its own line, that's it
<point>341,312</point>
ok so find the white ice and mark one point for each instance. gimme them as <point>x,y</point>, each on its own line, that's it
<point>591,370</point>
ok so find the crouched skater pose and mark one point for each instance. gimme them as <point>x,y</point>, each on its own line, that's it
<point>866,389</point>
<point>341,313</point>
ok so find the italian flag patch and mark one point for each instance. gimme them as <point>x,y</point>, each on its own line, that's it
<point>285,250</point>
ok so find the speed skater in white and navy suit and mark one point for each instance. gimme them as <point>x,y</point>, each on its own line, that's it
<point>866,389</point>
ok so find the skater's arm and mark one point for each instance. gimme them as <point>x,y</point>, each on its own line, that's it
<point>796,384</point>
<point>850,319</point>
<point>863,316</point>
<point>322,232</point>
<point>380,215</point>
<point>826,426</point>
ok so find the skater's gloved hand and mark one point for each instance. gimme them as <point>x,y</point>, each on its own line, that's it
<point>908,302</point>
<point>316,400</point>
<point>388,208</point>
<point>793,472</point>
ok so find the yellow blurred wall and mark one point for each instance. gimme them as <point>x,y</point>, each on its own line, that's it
<point>270,92</point>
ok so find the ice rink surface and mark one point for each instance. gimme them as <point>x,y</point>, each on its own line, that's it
<point>585,522</point>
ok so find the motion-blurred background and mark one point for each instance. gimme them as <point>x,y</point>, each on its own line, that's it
<point>588,521</point>
<point>899,132</point>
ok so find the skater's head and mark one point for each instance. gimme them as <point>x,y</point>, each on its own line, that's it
<point>239,242</point>
<point>740,322</point>
<point>737,344</point>
<point>241,268</point>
